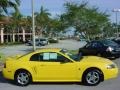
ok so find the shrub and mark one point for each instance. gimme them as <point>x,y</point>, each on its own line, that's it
<point>2,57</point>
<point>11,43</point>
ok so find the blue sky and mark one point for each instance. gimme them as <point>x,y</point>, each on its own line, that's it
<point>56,6</point>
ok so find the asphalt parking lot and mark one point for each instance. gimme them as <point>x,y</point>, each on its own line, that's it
<point>113,84</point>
<point>22,49</point>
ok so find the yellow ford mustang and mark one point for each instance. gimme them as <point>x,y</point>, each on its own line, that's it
<point>57,65</point>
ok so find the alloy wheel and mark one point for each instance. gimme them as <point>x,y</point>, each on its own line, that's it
<point>92,77</point>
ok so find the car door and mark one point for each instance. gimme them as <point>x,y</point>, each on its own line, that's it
<point>95,48</point>
<point>88,49</point>
<point>92,48</point>
<point>99,48</point>
<point>53,66</point>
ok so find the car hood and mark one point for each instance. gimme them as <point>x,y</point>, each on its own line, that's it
<point>95,59</point>
<point>117,48</point>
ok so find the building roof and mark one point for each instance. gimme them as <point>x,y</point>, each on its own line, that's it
<point>5,20</point>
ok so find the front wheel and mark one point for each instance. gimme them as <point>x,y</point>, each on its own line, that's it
<point>22,78</point>
<point>92,77</point>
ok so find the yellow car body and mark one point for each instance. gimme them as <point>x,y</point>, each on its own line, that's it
<point>56,71</point>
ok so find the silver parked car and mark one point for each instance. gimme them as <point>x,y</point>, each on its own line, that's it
<point>39,42</point>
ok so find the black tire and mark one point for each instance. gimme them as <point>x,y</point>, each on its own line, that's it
<point>92,77</point>
<point>22,78</point>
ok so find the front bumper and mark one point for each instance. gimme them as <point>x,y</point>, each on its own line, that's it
<point>110,73</point>
<point>113,54</point>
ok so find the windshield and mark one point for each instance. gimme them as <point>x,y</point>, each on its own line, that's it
<point>109,43</point>
<point>42,39</point>
<point>36,40</point>
<point>75,57</point>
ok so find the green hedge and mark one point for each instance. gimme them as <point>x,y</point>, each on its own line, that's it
<point>2,57</point>
<point>11,43</point>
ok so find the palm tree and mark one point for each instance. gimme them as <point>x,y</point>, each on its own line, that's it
<point>16,23</point>
<point>42,19</point>
<point>5,4</point>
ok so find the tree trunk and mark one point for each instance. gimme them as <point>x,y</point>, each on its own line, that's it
<point>18,39</point>
<point>7,36</point>
<point>13,36</point>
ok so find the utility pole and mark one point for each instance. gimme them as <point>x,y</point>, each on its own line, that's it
<point>33,25</point>
<point>116,17</point>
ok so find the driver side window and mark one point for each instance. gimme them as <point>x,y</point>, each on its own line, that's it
<point>96,45</point>
<point>89,45</point>
<point>61,58</point>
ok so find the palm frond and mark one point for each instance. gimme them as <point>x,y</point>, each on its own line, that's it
<point>5,4</point>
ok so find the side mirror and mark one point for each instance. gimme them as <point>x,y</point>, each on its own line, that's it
<point>64,61</point>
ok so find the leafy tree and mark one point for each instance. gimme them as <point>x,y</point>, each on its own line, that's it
<point>54,27</point>
<point>88,21</point>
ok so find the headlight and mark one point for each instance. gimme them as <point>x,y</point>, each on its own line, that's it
<point>110,49</point>
<point>111,66</point>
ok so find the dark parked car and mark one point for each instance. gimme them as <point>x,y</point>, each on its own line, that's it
<point>116,40</point>
<point>104,48</point>
<point>53,40</point>
<point>39,42</point>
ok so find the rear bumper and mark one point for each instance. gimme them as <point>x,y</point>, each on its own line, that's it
<point>8,74</point>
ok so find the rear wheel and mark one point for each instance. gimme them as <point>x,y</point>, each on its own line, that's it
<point>22,78</point>
<point>92,77</point>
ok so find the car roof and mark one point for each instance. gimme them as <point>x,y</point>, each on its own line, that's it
<point>43,50</point>
<point>95,41</point>
<point>101,40</point>
<point>49,49</point>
